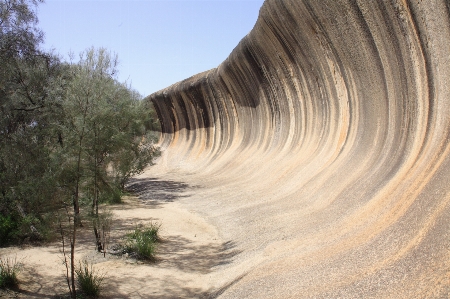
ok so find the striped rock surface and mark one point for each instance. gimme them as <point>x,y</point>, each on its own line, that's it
<point>320,148</point>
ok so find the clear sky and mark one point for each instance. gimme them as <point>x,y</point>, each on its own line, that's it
<point>159,42</point>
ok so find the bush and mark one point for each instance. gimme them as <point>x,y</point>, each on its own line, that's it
<point>111,195</point>
<point>89,282</point>
<point>9,269</point>
<point>15,229</point>
<point>7,228</point>
<point>142,241</point>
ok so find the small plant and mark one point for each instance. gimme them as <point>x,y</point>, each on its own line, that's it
<point>142,241</point>
<point>102,229</point>
<point>9,268</point>
<point>89,282</point>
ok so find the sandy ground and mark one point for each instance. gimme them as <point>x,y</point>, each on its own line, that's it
<point>190,251</point>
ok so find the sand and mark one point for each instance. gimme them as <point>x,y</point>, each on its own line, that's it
<point>191,249</point>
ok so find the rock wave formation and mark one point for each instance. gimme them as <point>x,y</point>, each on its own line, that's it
<point>324,140</point>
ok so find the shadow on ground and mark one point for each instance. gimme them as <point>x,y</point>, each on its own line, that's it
<point>34,282</point>
<point>183,254</point>
<point>173,288</point>
<point>155,192</point>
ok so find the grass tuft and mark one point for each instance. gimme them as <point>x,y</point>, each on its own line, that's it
<point>9,268</point>
<point>89,282</point>
<point>143,240</point>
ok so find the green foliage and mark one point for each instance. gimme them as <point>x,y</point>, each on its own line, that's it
<point>30,85</point>
<point>105,130</point>
<point>78,133</point>
<point>70,133</point>
<point>143,241</point>
<point>9,269</point>
<point>150,232</point>
<point>88,281</point>
<point>7,228</point>
<point>15,228</point>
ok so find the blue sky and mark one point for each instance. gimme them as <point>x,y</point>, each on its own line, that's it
<point>159,42</point>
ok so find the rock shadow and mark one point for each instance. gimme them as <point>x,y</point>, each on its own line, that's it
<point>155,192</point>
<point>182,253</point>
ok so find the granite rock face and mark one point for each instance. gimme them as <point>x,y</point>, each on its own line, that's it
<point>332,118</point>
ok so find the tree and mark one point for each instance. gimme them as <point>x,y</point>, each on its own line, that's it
<point>103,137</point>
<point>104,129</point>
<point>70,134</point>
<point>30,84</point>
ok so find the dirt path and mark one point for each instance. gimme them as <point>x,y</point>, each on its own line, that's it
<point>190,251</point>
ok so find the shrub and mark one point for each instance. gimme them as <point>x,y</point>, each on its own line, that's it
<point>15,229</point>
<point>112,195</point>
<point>7,228</point>
<point>89,282</point>
<point>142,241</point>
<point>8,273</point>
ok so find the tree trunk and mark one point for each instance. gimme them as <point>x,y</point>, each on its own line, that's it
<point>76,202</point>
<point>72,258</point>
<point>98,239</point>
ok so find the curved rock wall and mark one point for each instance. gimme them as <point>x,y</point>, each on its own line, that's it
<point>332,120</point>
